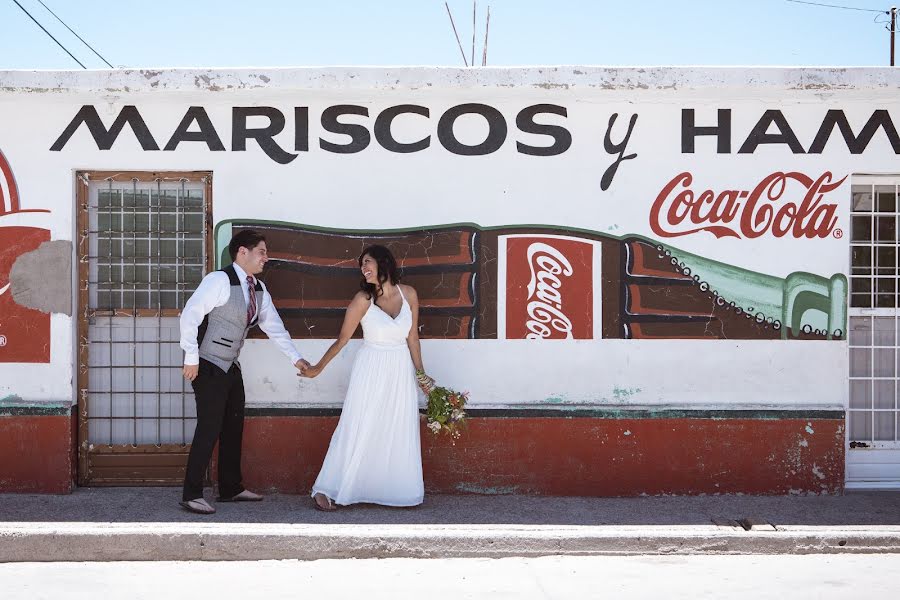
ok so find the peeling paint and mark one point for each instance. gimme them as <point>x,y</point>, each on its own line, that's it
<point>41,279</point>
<point>809,429</point>
<point>817,471</point>
<point>810,80</point>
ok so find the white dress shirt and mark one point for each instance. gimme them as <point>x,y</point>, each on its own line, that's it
<point>214,291</point>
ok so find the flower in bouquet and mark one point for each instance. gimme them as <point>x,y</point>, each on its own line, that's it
<point>446,411</point>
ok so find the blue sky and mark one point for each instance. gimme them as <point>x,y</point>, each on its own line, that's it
<point>225,33</point>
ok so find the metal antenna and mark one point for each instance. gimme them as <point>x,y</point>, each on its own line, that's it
<point>458,43</point>
<point>474,27</point>
<point>487,27</point>
<point>893,29</point>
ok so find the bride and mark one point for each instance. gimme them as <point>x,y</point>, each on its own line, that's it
<point>374,455</point>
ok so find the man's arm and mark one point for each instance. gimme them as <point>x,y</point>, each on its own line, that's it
<point>212,292</point>
<point>272,325</point>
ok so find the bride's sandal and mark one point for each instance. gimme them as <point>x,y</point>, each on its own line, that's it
<point>329,506</point>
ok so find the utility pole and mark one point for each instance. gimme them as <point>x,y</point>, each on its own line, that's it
<point>893,29</point>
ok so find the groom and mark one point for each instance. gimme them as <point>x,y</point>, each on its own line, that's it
<point>214,324</point>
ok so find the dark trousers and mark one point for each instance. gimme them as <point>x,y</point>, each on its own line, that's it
<point>220,416</point>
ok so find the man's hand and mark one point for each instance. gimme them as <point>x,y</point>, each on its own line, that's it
<point>190,372</point>
<point>302,365</point>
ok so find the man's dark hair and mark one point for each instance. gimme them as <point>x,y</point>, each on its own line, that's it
<point>246,238</point>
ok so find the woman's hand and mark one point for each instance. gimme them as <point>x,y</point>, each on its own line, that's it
<point>426,383</point>
<point>310,371</point>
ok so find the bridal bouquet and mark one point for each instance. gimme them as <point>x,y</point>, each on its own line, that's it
<point>446,411</point>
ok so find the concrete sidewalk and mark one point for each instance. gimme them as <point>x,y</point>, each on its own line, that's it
<point>147,524</point>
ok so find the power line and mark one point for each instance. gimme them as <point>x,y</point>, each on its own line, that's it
<point>838,6</point>
<point>75,34</point>
<point>48,33</point>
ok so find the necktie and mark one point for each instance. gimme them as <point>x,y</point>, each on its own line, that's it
<point>251,304</point>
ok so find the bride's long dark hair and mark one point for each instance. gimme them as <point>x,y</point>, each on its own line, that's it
<point>387,270</point>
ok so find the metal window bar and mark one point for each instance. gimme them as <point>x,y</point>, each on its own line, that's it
<point>109,295</point>
<point>134,360</point>
<point>179,301</point>
<point>158,308</point>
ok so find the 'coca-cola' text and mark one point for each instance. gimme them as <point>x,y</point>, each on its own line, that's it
<point>545,302</point>
<point>774,207</point>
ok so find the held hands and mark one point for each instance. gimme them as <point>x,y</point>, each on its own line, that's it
<point>307,370</point>
<point>311,371</point>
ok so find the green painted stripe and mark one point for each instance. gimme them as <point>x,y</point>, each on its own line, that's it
<point>590,413</point>
<point>563,412</point>
<point>37,410</point>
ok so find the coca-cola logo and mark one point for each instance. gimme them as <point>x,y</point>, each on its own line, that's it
<point>549,287</point>
<point>775,207</point>
<point>545,301</point>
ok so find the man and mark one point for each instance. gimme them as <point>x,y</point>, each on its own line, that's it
<point>226,305</point>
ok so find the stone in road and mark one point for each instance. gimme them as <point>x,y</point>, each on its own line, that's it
<point>873,576</point>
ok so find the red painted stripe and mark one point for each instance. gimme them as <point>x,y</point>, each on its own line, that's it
<point>581,457</point>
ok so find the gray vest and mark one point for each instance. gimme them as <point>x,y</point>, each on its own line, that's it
<point>223,330</point>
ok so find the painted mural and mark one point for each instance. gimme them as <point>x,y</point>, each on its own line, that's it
<point>529,282</point>
<point>24,332</point>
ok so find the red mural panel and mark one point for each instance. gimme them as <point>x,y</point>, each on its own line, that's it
<point>24,332</point>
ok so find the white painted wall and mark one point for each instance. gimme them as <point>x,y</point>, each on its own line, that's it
<point>376,189</point>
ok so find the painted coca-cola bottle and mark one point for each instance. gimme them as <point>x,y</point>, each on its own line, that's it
<point>545,283</point>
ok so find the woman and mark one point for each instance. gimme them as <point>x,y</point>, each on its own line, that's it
<point>374,455</point>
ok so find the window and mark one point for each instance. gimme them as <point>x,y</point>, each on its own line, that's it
<point>147,245</point>
<point>874,318</point>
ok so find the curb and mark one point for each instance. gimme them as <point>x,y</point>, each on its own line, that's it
<point>65,542</point>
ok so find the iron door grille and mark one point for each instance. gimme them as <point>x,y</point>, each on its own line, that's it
<point>144,245</point>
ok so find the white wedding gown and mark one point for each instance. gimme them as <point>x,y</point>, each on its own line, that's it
<point>375,454</point>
